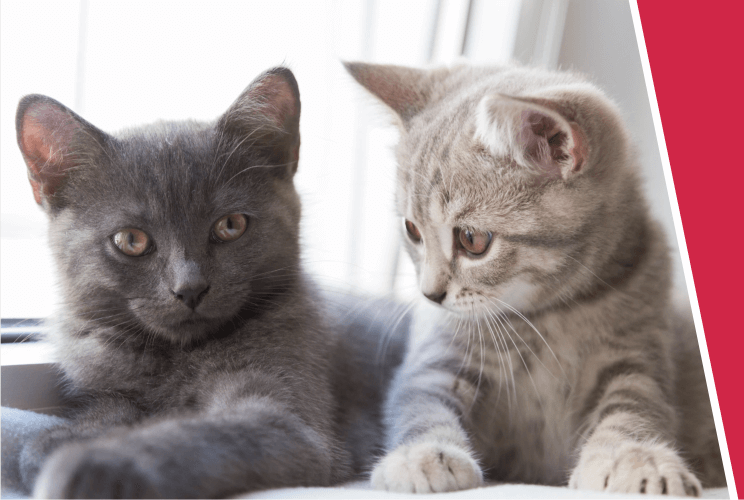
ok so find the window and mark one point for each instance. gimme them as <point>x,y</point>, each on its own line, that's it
<point>125,63</point>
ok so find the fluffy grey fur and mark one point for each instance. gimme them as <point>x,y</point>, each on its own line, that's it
<point>556,357</point>
<point>200,368</point>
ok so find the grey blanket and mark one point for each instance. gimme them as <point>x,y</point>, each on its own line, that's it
<point>18,427</point>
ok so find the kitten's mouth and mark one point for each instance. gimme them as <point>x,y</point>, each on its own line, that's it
<point>194,319</point>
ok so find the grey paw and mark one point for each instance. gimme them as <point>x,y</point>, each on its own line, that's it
<point>80,471</point>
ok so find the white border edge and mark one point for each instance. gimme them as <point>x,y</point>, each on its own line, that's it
<point>686,267</point>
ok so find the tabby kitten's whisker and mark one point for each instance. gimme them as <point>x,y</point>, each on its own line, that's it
<point>515,311</point>
<point>501,315</point>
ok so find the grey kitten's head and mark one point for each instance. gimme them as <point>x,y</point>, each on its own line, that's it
<point>175,229</point>
<point>517,186</point>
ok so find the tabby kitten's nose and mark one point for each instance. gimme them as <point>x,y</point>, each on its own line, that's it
<point>434,297</point>
<point>191,296</point>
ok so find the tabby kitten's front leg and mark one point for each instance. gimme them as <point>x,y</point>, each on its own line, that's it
<point>430,449</point>
<point>630,428</point>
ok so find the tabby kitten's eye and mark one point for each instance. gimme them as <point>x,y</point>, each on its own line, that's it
<point>132,242</point>
<point>230,227</point>
<point>412,231</point>
<point>475,242</point>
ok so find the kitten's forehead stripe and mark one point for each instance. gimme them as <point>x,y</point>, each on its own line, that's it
<point>430,156</point>
<point>435,183</point>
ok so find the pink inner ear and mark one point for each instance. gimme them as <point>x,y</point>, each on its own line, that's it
<point>579,151</point>
<point>547,142</point>
<point>281,103</point>
<point>535,139</point>
<point>44,148</point>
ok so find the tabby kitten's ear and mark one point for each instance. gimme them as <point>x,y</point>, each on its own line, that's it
<point>533,132</point>
<point>405,90</point>
<point>53,140</point>
<point>268,111</point>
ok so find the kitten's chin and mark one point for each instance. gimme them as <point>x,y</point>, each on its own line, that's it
<point>187,331</point>
<point>196,327</point>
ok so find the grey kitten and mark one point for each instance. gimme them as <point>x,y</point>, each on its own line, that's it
<point>548,351</point>
<point>189,338</point>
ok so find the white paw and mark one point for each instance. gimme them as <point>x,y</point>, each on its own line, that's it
<point>633,468</point>
<point>427,467</point>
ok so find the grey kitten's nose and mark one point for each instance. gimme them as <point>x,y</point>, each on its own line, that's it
<point>438,298</point>
<point>191,296</point>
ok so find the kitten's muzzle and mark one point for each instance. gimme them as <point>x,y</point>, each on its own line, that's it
<point>191,296</point>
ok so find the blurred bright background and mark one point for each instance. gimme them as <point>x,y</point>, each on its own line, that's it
<point>124,63</point>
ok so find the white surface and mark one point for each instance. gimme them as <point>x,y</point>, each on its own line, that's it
<point>362,490</point>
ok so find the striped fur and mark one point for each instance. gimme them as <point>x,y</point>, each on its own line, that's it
<point>556,356</point>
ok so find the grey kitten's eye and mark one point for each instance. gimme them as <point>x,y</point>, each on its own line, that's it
<point>412,231</point>
<point>132,242</point>
<point>475,242</point>
<point>230,227</point>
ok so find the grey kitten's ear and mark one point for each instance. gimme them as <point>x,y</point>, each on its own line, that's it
<point>532,132</point>
<point>53,140</point>
<point>268,112</point>
<point>405,90</point>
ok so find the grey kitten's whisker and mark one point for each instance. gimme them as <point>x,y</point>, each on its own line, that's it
<point>276,278</point>
<point>115,317</point>
<point>123,330</point>
<point>262,300</point>
<point>256,166</point>
<point>132,331</point>
<point>294,268</point>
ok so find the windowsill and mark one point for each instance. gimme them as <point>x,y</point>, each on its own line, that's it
<point>30,378</point>
<point>26,353</point>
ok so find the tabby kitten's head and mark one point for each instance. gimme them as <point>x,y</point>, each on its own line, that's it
<point>516,186</point>
<point>175,229</point>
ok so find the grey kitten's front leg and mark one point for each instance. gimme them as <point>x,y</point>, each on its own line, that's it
<point>255,443</point>
<point>430,448</point>
<point>103,413</point>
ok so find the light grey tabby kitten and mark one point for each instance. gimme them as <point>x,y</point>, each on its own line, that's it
<point>192,344</point>
<point>552,355</point>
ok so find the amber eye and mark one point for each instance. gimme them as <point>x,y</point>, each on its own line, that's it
<point>230,227</point>
<point>132,242</point>
<point>475,242</point>
<point>412,231</point>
